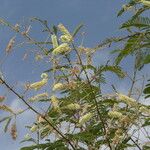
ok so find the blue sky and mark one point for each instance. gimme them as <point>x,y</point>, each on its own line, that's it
<point>99,17</point>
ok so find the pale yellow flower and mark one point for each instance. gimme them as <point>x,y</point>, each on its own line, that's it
<point>55,103</point>
<point>58,86</point>
<point>63,29</point>
<point>54,41</point>
<point>34,128</point>
<point>38,85</point>
<point>145,2</point>
<point>66,38</point>
<point>129,101</point>
<point>39,97</point>
<point>144,110</point>
<point>85,118</point>
<point>6,108</point>
<point>63,48</point>
<point>73,106</point>
<point>115,114</point>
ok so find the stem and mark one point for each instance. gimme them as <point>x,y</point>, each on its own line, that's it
<point>133,82</point>
<point>136,144</point>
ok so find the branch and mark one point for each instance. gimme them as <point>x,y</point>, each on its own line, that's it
<point>136,144</point>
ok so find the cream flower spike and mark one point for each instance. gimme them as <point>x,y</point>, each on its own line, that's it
<point>38,85</point>
<point>66,37</point>
<point>73,106</point>
<point>55,103</point>
<point>63,48</point>
<point>129,101</point>
<point>58,86</point>
<point>115,114</point>
<point>39,97</point>
<point>146,2</point>
<point>85,118</point>
<point>63,29</point>
<point>54,41</point>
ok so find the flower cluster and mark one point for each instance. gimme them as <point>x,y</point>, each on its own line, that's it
<point>54,41</point>
<point>115,114</point>
<point>66,37</point>
<point>39,97</point>
<point>39,84</point>
<point>129,101</point>
<point>55,103</point>
<point>73,106</point>
<point>34,128</point>
<point>144,110</point>
<point>85,118</point>
<point>146,2</point>
<point>6,108</point>
<point>63,48</point>
<point>58,86</point>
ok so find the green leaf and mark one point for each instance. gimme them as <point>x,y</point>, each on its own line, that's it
<point>147,59</point>
<point>137,22</point>
<point>58,68</point>
<point>3,119</point>
<point>147,90</point>
<point>131,3</point>
<point>7,124</point>
<point>115,69</point>
<point>55,30</point>
<point>28,140</point>
<point>58,145</point>
<point>77,30</point>
<point>107,41</point>
<point>147,122</point>
<point>131,45</point>
<point>145,147</point>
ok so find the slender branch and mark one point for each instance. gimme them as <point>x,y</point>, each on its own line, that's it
<point>136,144</point>
<point>133,82</point>
<point>119,39</point>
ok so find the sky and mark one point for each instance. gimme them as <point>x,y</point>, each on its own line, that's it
<point>100,20</point>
